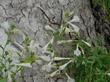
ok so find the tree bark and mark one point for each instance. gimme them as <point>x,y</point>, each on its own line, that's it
<point>29,18</point>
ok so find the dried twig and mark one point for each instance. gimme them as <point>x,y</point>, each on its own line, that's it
<point>50,20</point>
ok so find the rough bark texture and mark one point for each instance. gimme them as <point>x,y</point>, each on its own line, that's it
<point>102,23</point>
<point>29,18</point>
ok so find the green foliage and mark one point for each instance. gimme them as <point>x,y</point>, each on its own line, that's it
<point>3,80</point>
<point>12,53</point>
<point>93,66</point>
<point>86,62</point>
<point>82,61</point>
<point>30,59</point>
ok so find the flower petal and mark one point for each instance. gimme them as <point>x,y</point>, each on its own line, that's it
<point>54,73</point>
<point>60,58</point>
<point>64,41</point>
<point>24,65</point>
<point>45,58</point>
<point>64,65</point>
<point>76,28</point>
<point>77,52</point>
<point>75,19</point>
<point>47,27</point>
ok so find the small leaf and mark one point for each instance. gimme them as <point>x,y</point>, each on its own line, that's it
<point>68,15</point>
<point>31,58</point>
<point>88,44</point>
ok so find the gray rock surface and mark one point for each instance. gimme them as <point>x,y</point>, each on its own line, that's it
<point>30,19</point>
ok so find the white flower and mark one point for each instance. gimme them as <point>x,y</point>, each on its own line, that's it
<point>77,52</point>
<point>60,58</point>
<point>64,41</point>
<point>24,65</point>
<point>108,74</point>
<point>76,28</point>
<point>54,73</point>
<point>47,27</point>
<point>63,66</point>
<point>75,19</point>
<point>67,30</point>
<point>5,25</point>
<point>3,38</point>
<point>45,58</point>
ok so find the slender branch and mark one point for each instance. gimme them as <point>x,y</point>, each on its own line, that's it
<point>50,20</point>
